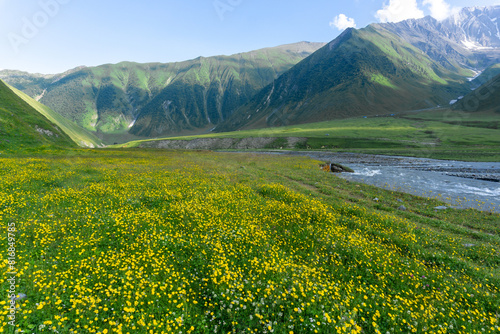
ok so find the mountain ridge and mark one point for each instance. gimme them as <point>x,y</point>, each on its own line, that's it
<point>116,98</point>
<point>79,135</point>
<point>380,69</point>
<point>457,42</point>
<point>409,63</point>
<point>24,128</point>
<point>362,72</point>
<point>485,98</point>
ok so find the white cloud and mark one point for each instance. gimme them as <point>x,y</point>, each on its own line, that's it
<point>440,9</point>
<point>342,22</point>
<point>399,10</point>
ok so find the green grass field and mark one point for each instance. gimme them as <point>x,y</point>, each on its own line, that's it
<point>440,134</point>
<point>144,241</point>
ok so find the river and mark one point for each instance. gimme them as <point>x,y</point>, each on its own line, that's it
<point>460,184</point>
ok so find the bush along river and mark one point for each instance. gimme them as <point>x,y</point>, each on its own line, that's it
<point>460,184</point>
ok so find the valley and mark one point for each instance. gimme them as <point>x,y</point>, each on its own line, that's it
<point>197,197</point>
<point>437,134</point>
<point>146,100</point>
<point>377,70</point>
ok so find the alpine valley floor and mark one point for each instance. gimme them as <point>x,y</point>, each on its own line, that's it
<point>151,241</point>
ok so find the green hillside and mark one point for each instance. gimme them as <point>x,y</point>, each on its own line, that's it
<point>153,99</point>
<point>486,75</point>
<point>363,72</point>
<point>486,98</point>
<point>438,133</point>
<point>78,134</point>
<point>211,89</point>
<point>22,128</point>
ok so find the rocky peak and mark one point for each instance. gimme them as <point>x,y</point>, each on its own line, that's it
<point>474,27</point>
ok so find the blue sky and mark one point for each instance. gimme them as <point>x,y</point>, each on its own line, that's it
<point>51,36</point>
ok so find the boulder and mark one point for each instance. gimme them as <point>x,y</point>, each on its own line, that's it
<point>337,168</point>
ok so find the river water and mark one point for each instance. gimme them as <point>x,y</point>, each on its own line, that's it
<point>460,184</point>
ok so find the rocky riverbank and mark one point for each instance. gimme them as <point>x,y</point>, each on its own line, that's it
<point>478,171</point>
<point>228,143</point>
<point>461,184</point>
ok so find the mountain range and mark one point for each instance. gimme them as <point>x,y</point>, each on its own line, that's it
<point>469,38</point>
<point>380,69</point>
<point>154,99</point>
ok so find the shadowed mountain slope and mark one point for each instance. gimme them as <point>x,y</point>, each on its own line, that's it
<point>363,72</point>
<point>485,98</point>
<point>155,99</point>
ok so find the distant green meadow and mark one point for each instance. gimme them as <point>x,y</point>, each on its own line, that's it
<point>441,134</point>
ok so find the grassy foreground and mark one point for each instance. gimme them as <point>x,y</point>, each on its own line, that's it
<point>200,242</point>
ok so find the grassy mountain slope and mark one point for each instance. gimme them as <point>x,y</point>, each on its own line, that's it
<point>33,84</point>
<point>486,98</point>
<point>362,72</point>
<point>153,99</point>
<point>22,127</point>
<point>486,75</point>
<point>212,88</point>
<point>78,134</point>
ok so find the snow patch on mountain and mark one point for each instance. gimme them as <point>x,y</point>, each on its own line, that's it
<point>471,45</point>
<point>476,74</point>
<point>132,124</point>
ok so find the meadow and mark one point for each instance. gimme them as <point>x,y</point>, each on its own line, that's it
<point>144,241</point>
<point>437,134</point>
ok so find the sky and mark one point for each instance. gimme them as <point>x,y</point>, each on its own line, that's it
<point>52,36</point>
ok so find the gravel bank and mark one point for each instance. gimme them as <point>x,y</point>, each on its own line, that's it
<point>227,143</point>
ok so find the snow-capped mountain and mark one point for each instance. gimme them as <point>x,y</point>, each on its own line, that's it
<point>475,28</point>
<point>467,39</point>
